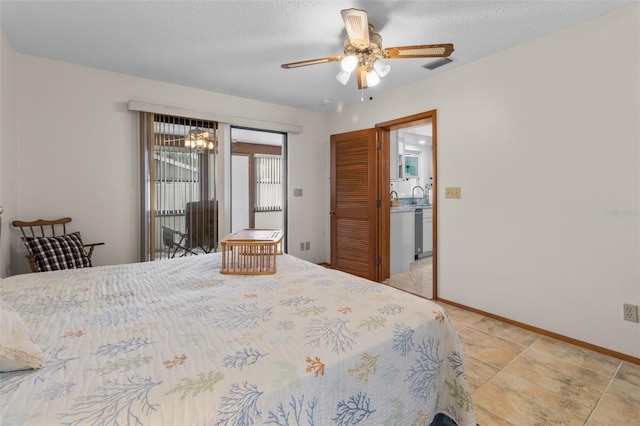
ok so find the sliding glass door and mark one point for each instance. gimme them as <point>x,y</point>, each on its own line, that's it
<point>258,179</point>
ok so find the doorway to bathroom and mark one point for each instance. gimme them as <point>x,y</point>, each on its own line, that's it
<point>411,146</point>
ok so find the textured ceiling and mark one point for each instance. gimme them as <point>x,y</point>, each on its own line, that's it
<point>236,47</point>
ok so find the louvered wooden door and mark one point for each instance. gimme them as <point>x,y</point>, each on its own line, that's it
<point>354,227</point>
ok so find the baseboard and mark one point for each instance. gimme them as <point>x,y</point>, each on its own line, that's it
<point>599,349</point>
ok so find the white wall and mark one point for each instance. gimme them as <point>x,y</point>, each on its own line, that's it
<point>78,153</point>
<point>544,140</point>
<point>8,145</point>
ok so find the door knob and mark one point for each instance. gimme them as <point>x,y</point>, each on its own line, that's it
<point>332,213</point>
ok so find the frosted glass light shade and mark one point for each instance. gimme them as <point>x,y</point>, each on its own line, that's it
<point>349,63</point>
<point>381,67</point>
<point>343,77</point>
<point>372,79</point>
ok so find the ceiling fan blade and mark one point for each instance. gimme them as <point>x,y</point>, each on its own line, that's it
<point>311,62</point>
<point>357,25</point>
<point>420,51</point>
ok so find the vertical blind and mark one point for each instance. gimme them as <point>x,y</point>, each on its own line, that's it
<point>180,216</point>
<point>268,174</point>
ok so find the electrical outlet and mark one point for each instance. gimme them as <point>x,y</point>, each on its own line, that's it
<point>301,246</point>
<point>452,192</point>
<point>307,245</point>
<point>630,312</point>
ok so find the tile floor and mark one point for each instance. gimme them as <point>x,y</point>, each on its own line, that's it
<point>518,377</point>
<point>418,280</point>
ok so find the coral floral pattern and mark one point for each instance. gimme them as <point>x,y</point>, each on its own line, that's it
<point>315,366</point>
<point>177,360</point>
<point>176,342</point>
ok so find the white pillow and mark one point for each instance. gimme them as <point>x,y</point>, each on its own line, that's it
<point>18,351</point>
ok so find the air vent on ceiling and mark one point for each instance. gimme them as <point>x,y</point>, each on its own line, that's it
<point>437,64</point>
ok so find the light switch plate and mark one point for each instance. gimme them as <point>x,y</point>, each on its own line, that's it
<point>297,192</point>
<point>452,192</point>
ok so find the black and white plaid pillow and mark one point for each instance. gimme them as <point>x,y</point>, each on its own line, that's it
<point>61,252</point>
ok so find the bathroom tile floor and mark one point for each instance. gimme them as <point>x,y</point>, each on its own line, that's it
<point>418,280</point>
<point>518,377</point>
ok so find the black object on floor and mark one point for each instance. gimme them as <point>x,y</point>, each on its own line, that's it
<point>443,420</point>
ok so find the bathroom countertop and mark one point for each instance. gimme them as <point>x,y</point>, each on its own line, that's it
<point>409,208</point>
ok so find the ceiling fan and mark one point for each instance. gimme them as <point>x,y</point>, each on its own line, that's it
<point>363,52</point>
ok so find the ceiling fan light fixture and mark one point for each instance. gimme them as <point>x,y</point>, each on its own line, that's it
<point>199,139</point>
<point>364,54</point>
<point>372,79</point>
<point>349,63</point>
<point>381,67</point>
<point>343,77</point>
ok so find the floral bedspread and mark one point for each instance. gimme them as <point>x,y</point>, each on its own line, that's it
<point>175,342</point>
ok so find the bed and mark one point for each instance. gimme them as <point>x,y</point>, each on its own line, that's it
<point>174,342</point>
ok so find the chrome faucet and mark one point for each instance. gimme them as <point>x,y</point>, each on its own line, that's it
<point>413,197</point>
<point>391,195</point>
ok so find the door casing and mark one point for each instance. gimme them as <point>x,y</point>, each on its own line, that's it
<point>384,131</point>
